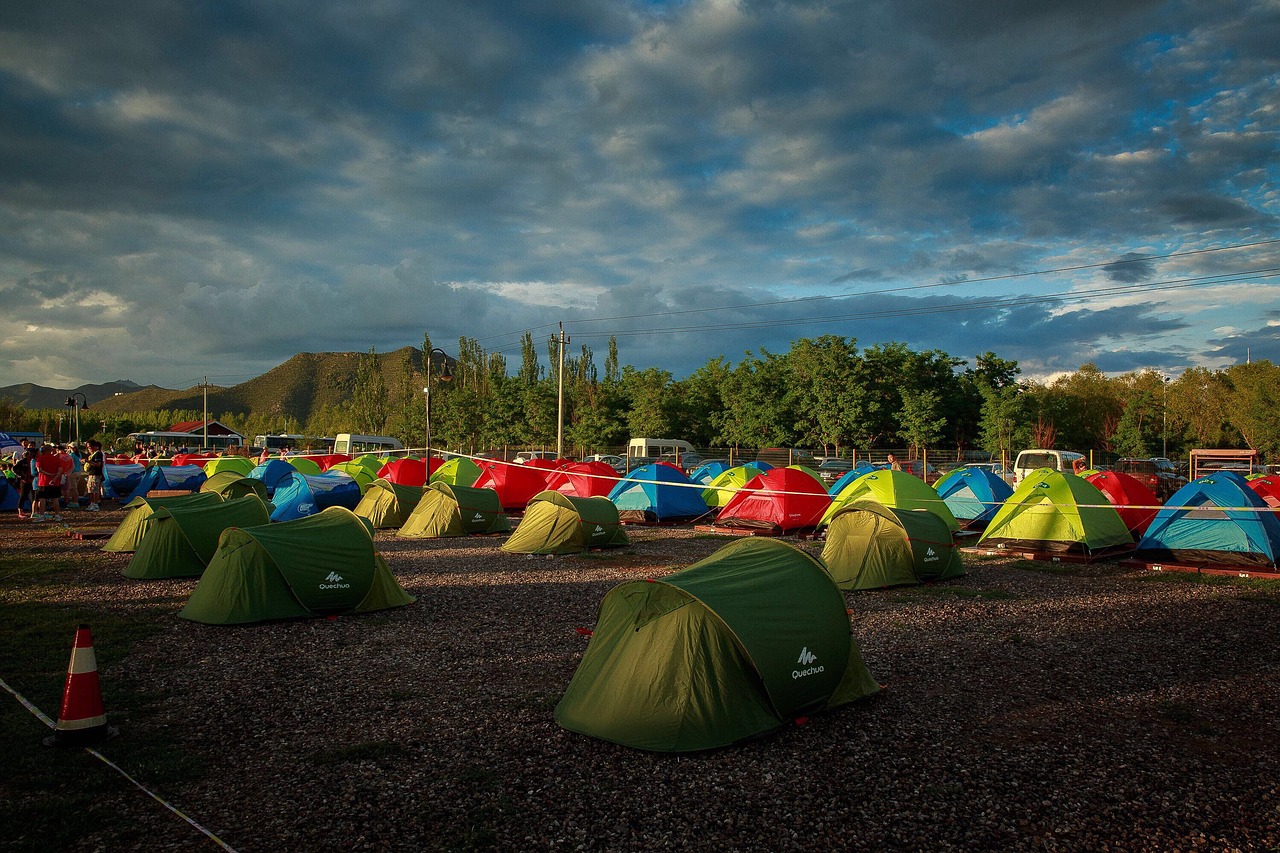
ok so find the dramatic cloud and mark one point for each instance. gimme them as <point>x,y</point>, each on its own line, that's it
<point>208,189</point>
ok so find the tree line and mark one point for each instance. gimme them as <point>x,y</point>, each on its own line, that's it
<point>826,393</point>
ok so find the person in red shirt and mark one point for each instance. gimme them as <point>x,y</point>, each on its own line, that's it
<point>48,485</point>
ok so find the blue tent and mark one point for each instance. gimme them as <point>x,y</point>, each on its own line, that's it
<point>658,493</point>
<point>704,474</point>
<point>299,495</point>
<point>9,493</point>
<point>122,480</point>
<point>974,495</point>
<point>168,477</point>
<point>272,472</point>
<point>852,474</point>
<point>1216,519</point>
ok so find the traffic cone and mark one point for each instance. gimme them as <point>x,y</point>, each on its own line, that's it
<point>82,720</point>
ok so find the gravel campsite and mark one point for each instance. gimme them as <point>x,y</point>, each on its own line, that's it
<point>1026,706</point>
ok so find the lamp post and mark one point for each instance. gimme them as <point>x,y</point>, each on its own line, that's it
<point>1164,413</point>
<point>445,376</point>
<point>77,406</point>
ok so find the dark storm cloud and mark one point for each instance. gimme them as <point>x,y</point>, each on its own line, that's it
<point>478,169</point>
<point>1130,268</point>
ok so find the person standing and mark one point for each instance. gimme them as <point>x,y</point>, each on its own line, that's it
<point>25,470</point>
<point>95,467</point>
<point>48,485</point>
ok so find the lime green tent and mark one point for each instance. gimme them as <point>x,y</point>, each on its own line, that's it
<point>359,471</point>
<point>555,523</point>
<point>1055,511</point>
<point>805,468</point>
<point>458,471</point>
<point>238,464</point>
<point>731,648</point>
<point>305,465</point>
<point>726,484</point>
<point>446,510</point>
<point>896,489</point>
<point>387,504</point>
<point>181,540</point>
<point>137,514</point>
<point>231,485</point>
<point>870,546</point>
<point>318,565</point>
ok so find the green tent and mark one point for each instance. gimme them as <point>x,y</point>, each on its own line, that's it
<point>319,565</point>
<point>458,471</point>
<point>731,648</point>
<point>870,546</point>
<point>896,489</point>
<point>387,504</point>
<point>446,510</point>
<point>137,515</point>
<point>358,471</point>
<point>232,485</point>
<point>181,540</point>
<point>727,483</point>
<point>238,464</point>
<point>1054,511</point>
<point>555,523</point>
<point>305,465</point>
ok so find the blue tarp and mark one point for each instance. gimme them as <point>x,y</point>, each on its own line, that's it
<point>658,493</point>
<point>974,495</point>
<point>122,480</point>
<point>1216,519</point>
<point>299,495</point>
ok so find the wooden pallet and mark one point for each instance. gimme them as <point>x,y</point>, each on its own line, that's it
<point>1263,573</point>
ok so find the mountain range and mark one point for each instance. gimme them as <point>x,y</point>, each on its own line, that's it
<point>306,383</point>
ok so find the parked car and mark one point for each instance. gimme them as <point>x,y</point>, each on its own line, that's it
<point>781,457</point>
<point>996,468</point>
<point>833,469</point>
<point>525,455</point>
<point>617,463</point>
<point>928,473</point>
<point>1159,475</point>
<point>685,461</point>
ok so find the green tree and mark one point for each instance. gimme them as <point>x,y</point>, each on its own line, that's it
<point>920,423</point>
<point>1253,405</point>
<point>369,396</point>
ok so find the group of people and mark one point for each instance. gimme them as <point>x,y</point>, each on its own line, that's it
<point>48,478</point>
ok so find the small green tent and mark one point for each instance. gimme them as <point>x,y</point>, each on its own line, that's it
<point>387,504</point>
<point>137,515</point>
<point>731,648</point>
<point>239,464</point>
<point>1054,511</point>
<point>232,485</point>
<point>458,471</point>
<point>318,565</point>
<point>447,510</point>
<point>180,540</point>
<point>555,523</point>
<point>870,546</point>
<point>896,489</point>
<point>727,483</point>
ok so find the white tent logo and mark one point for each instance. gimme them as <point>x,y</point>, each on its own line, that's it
<point>333,577</point>
<point>334,581</point>
<point>806,660</point>
<point>806,657</point>
<point>599,530</point>
<point>477,517</point>
<point>930,554</point>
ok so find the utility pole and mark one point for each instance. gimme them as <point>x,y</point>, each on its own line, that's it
<point>205,385</point>
<point>563,342</point>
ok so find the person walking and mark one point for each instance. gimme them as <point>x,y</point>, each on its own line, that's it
<point>95,468</point>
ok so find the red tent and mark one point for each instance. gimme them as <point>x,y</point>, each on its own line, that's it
<point>780,499</point>
<point>1267,488</point>
<point>544,466</point>
<point>407,472</point>
<point>193,458</point>
<point>1135,502</point>
<point>515,484</point>
<point>583,479</point>
<point>328,461</point>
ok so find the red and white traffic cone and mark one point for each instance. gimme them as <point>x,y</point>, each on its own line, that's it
<point>82,720</point>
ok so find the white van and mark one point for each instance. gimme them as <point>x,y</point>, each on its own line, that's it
<point>1030,460</point>
<point>352,444</point>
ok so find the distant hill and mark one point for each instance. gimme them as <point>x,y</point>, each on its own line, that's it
<point>32,396</point>
<point>305,383</point>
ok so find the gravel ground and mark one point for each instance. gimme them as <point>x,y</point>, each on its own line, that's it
<point>1027,707</point>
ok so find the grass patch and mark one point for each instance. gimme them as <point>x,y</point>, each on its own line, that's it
<point>380,752</point>
<point>52,796</point>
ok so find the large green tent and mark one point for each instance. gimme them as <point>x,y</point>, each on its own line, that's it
<point>318,565</point>
<point>870,546</point>
<point>894,489</point>
<point>458,471</point>
<point>181,541</point>
<point>239,464</point>
<point>387,504</point>
<point>447,510</point>
<point>137,514</point>
<point>733,647</point>
<point>555,523</point>
<point>360,471</point>
<point>1057,512</point>
<point>232,485</point>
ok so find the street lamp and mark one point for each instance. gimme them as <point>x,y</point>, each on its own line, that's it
<point>445,376</point>
<point>77,406</point>
<point>1164,413</point>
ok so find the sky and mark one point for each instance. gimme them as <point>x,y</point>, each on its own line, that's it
<point>193,190</point>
